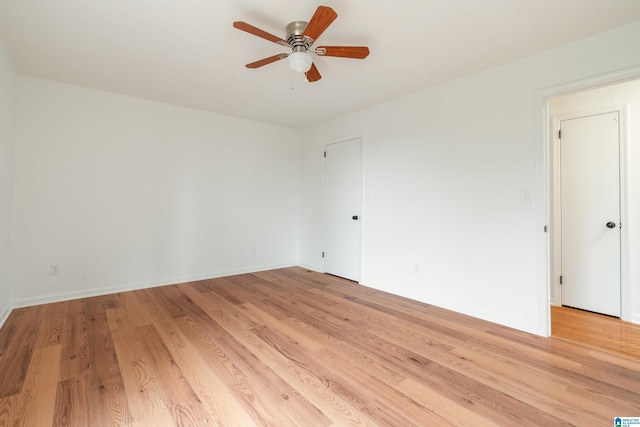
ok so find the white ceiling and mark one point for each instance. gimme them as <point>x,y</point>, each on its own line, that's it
<point>186,52</point>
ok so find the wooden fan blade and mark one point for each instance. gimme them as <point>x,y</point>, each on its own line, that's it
<point>319,22</point>
<point>313,75</point>
<point>260,33</point>
<point>357,52</point>
<point>268,60</point>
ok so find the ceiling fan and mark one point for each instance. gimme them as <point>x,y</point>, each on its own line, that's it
<point>300,36</point>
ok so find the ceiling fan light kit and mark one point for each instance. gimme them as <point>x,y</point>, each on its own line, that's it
<point>300,36</point>
<point>299,62</point>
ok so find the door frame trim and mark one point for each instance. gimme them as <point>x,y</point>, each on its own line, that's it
<point>542,193</point>
<point>555,203</point>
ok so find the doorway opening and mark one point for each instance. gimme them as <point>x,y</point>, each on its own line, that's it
<point>567,187</point>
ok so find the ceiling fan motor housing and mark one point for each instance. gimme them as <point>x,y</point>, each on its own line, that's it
<point>295,30</point>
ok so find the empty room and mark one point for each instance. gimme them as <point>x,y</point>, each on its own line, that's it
<point>339,213</point>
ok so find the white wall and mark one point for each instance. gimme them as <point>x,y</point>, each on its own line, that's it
<point>625,94</point>
<point>124,193</point>
<point>8,83</point>
<point>444,172</point>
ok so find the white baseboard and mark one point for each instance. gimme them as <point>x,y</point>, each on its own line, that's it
<point>47,299</point>
<point>4,313</point>
<point>311,267</point>
<point>635,318</point>
<point>498,320</point>
<point>490,317</point>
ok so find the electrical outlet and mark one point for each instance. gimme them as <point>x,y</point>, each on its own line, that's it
<point>253,250</point>
<point>417,269</point>
<point>54,269</point>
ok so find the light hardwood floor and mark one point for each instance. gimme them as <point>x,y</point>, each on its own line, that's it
<point>596,331</point>
<point>295,348</point>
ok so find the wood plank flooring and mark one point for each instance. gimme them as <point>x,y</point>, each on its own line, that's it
<point>596,331</point>
<point>291,347</point>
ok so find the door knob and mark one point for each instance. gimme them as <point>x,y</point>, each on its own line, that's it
<point>611,224</point>
<point>355,217</point>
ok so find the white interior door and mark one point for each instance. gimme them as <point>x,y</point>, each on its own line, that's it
<point>343,209</point>
<point>590,213</point>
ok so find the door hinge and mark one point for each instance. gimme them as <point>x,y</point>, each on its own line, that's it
<point>322,254</point>
<point>561,280</point>
<point>560,134</point>
<point>545,228</point>
<point>325,154</point>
